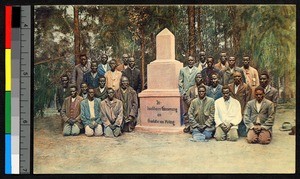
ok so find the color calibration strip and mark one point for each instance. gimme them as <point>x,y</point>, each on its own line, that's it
<point>8,20</point>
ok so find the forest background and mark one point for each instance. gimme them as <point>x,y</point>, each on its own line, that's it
<point>266,32</point>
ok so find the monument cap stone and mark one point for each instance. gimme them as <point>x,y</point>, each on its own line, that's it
<point>165,48</point>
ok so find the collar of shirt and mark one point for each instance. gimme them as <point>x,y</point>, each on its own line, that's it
<point>267,88</point>
<point>101,89</point>
<point>123,91</point>
<point>202,100</point>
<point>73,99</point>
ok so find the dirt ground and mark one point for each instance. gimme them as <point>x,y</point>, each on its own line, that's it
<point>139,152</point>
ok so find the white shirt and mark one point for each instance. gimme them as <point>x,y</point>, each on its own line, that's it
<point>236,88</point>
<point>101,89</point>
<point>92,110</point>
<point>73,99</point>
<point>258,105</point>
<point>94,74</point>
<point>105,67</point>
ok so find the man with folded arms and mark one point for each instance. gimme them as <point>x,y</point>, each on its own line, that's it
<point>259,118</point>
<point>227,116</point>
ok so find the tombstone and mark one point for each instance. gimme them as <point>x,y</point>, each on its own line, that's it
<point>160,102</point>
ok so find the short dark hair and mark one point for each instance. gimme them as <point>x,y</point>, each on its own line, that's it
<point>82,84</point>
<point>113,60</point>
<point>225,87</point>
<point>101,76</point>
<point>73,86</point>
<point>201,86</point>
<point>211,58</point>
<point>82,54</point>
<point>214,73</point>
<point>260,88</point>
<point>110,89</point>
<point>265,73</point>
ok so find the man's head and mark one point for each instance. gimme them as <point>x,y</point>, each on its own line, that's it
<point>102,81</point>
<point>104,59</point>
<point>125,58</point>
<point>237,77</point>
<point>264,79</point>
<point>201,91</point>
<point>73,91</point>
<point>259,93</point>
<point>131,62</point>
<point>84,88</point>
<point>231,61</point>
<point>112,64</point>
<point>83,59</point>
<point>202,57</point>
<point>94,67</point>
<point>223,57</point>
<point>246,61</point>
<point>64,80</point>
<point>198,79</point>
<point>124,82</point>
<point>210,62</point>
<point>91,94</point>
<point>191,61</point>
<point>226,92</point>
<point>214,80</point>
<point>110,94</point>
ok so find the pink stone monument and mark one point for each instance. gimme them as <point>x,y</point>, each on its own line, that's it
<point>160,103</point>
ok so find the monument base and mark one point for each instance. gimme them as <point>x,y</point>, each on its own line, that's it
<point>160,111</point>
<point>159,130</point>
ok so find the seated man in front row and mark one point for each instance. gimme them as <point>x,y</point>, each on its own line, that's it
<point>90,115</point>
<point>259,118</point>
<point>70,113</point>
<point>112,114</point>
<point>201,113</point>
<point>227,116</point>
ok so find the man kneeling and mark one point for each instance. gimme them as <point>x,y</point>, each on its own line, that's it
<point>201,113</point>
<point>90,115</point>
<point>70,113</point>
<point>259,118</point>
<point>112,114</point>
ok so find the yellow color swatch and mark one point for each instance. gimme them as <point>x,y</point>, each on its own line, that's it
<point>7,69</point>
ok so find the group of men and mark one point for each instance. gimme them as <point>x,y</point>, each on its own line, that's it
<point>218,100</point>
<point>100,99</point>
<point>225,101</point>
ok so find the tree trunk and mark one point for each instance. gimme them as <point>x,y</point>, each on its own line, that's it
<point>236,30</point>
<point>76,35</point>
<point>199,41</point>
<point>143,58</point>
<point>191,17</point>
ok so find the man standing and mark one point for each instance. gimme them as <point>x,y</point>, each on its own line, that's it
<point>62,91</point>
<point>186,80</point>
<point>215,90</point>
<point>201,64</point>
<point>208,71</point>
<point>201,114</point>
<point>112,114</point>
<point>70,113</point>
<point>259,118</point>
<point>251,74</point>
<point>92,77</point>
<point>270,92</point>
<point>134,75</point>
<point>101,91</point>
<point>241,92</point>
<point>103,67</point>
<point>130,104</point>
<point>122,66</point>
<point>90,115</point>
<point>83,90</point>
<point>227,116</point>
<point>113,76</point>
<point>227,73</point>
<point>80,70</point>
<point>222,64</point>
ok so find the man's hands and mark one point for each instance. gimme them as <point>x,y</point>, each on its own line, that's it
<point>71,121</point>
<point>226,128</point>
<point>202,129</point>
<point>113,127</point>
<point>257,129</point>
<point>93,125</point>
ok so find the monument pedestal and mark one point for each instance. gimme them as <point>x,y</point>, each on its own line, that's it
<point>160,103</point>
